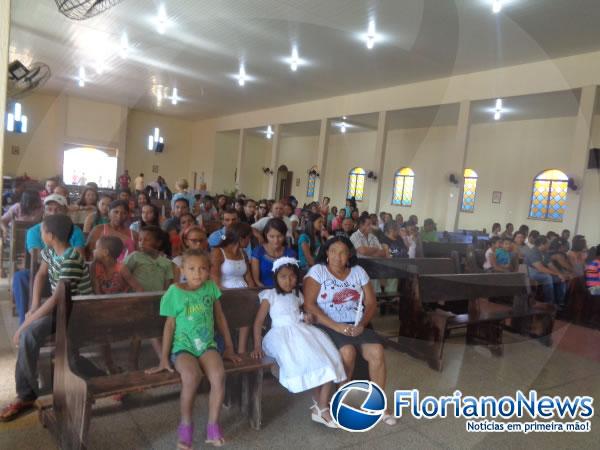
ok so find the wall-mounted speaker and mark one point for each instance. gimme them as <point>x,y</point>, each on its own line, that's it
<point>453,179</point>
<point>159,147</point>
<point>594,160</point>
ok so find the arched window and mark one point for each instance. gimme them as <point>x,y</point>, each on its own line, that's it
<point>312,178</point>
<point>404,182</point>
<point>549,196</point>
<point>469,190</point>
<point>356,183</point>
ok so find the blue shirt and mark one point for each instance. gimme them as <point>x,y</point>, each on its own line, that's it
<point>301,256</point>
<point>266,264</point>
<point>34,238</point>
<point>502,257</point>
<point>216,237</point>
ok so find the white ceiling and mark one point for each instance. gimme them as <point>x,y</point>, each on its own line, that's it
<point>206,39</point>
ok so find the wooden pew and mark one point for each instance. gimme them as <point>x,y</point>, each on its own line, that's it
<point>456,251</point>
<point>482,326</point>
<point>17,250</point>
<point>94,320</point>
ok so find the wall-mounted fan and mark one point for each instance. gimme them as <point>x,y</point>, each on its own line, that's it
<point>22,80</point>
<point>84,9</point>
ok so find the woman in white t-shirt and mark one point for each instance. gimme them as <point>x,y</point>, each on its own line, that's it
<point>338,292</point>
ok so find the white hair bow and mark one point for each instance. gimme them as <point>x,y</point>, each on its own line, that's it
<point>284,261</point>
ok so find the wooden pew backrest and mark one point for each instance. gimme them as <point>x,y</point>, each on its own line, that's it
<point>436,288</point>
<point>404,267</point>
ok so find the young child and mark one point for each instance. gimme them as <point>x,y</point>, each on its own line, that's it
<point>111,277</point>
<point>306,356</point>
<point>503,256</point>
<point>192,308</point>
<point>60,261</point>
<point>152,270</point>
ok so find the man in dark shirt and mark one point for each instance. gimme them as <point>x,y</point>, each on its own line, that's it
<point>542,270</point>
<point>347,228</point>
<point>392,239</point>
<point>180,208</point>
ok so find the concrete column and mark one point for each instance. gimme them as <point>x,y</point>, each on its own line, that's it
<point>457,167</point>
<point>240,161</point>
<point>322,160</point>
<point>274,162</point>
<point>380,146</point>
<point>579,156</point>
<point>4,29</point>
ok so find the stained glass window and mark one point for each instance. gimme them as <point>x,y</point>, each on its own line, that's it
<point>312,178</point>
<point>549,196</point>
<point>469,190</point>
<point>356,183</point>
<point>404,182</point>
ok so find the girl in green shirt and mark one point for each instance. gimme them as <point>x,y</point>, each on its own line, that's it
<point>191,309</point>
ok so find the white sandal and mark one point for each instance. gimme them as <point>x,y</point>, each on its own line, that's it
<point>318,416</point>
<point>389,419</point>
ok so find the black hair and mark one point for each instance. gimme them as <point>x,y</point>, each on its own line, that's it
<point>161,236</point>
<point>294,268</point>
<point>540,240</point>
<point>534,234</point>
<point>322,256</point>
<point>230,211</point>
<point>524,229</point>
<point>389,226</point>
<point>126,190</point>
<point>30,201</point>
<point>311,232</point>
<point>556,244</point>
<point>496,226</point>
<point>156,221</point>
<point>597,250</point>
<point>578,244</point>
<point>81,201</point>
<point>116,203</point>
<point>146,196</point>
<point>275,224</point>
<point>510,225</point>
<point>493,241</point>
<point>363,219</point>
<point>188,214</point>
<point>60,226</point>
<point>182,199</point>
<point>113,244</point>
<point>235,234</point>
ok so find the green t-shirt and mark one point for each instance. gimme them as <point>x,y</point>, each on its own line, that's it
<point>151,273</point>
<point>194,319</point>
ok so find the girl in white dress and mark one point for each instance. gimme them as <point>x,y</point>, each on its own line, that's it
<point>230,269</point>
<point>306,356</point>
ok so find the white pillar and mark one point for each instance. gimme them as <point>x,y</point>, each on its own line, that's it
<point>240,161</point>
<point>380,147</point>
<point>4,28</point>
<point>579,155</point>
<point>274,162</point>
<point>457,166</point>
<point>322,160</point>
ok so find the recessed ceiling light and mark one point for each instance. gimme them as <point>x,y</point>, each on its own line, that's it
<point>269,132</point>
<point>294,60</point>
<point>81,78</point>
<point>174,97</point>
<point>343,127</point>
<point>498,109</point>
<point>371,34</point>
<point>242,77</point>
<point>162,20</point>
<point>124,48</point>
<point>497,6</point>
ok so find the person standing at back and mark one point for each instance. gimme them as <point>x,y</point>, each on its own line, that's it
<point>139,184</point>
<point>124,180</point>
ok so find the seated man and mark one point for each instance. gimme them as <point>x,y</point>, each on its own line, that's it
<point>365,242</point>
<point>53,204</point>
<point>60,261</point>
<point>542,270</point>
<point>277,211</point>
<point>181,207</point>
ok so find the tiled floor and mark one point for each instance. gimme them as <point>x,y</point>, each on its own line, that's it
<point>148,420</point>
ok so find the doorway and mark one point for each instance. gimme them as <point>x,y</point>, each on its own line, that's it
<point>284,182</point>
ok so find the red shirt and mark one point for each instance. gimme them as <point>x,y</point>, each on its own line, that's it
<point>124,181</point>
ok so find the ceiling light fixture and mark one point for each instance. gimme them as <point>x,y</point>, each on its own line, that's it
<point>162,19</point>
<point>124,49</point>
<point>498,110</point>
<point>371,34</point>
<point>81,79</point>
<point>343,127</point>
<point>294,60</point>
<point>269,132</point>
<point>242,77</point>
<point>174,97</point>
<point>496,6</point>
<point>154,139</point>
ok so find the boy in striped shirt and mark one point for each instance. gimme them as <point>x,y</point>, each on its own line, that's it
<point>592,274</point>
<point>61,262</point>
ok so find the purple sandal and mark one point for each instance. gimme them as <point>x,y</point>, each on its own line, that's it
<point>185,436</point>
<point>214,435</point>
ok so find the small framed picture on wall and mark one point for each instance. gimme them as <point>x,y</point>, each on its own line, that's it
<point>496,197</point>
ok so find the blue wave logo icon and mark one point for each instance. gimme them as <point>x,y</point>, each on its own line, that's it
<point>358,406</point>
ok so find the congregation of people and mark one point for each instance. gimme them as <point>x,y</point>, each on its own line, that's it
<point>193,245</point>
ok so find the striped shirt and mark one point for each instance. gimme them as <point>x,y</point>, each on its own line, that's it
<point>68,266</point>
<point>592,274</point>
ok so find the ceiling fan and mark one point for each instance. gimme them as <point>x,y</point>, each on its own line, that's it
<point>84,9</point>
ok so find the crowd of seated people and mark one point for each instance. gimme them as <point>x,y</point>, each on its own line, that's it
<point>195,245</point>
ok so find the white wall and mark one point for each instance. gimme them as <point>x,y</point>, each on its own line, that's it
<point>589,219</point>
<point>299,154</point>
<point>507,156</point>
<point>257,154</point>
<point>223,170</point>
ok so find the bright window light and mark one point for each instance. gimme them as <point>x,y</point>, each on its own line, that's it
<point>16,121</point>
<point>10,122</point>
<point>24,124</point>
<point>496,6</point>
<point>17,112</point>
